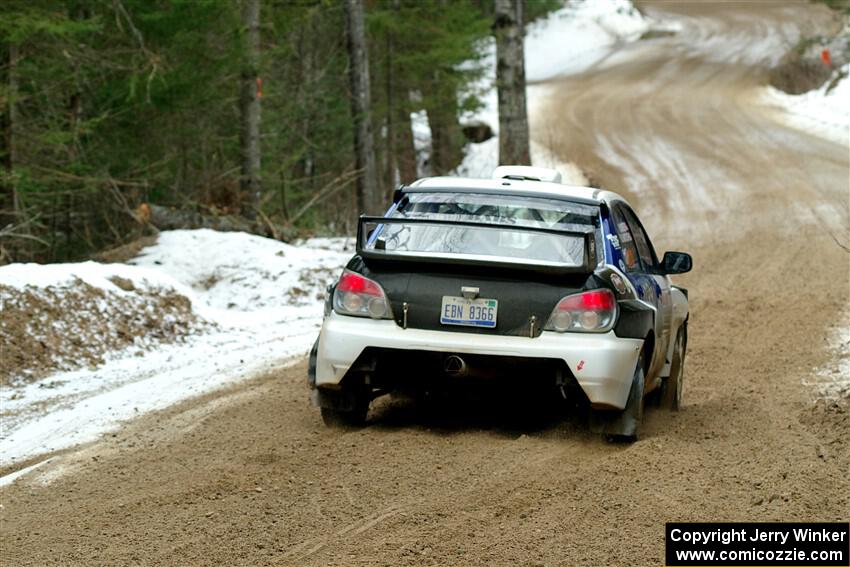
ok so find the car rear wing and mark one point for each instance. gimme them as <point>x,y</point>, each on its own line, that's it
<point>371,247</point>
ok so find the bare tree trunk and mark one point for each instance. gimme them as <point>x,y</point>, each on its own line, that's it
<point>510,83</point>
<point>250,182</point>
<point>368,190</point>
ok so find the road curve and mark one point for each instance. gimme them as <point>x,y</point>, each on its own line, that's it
<point>250,476</point>
<point>674,123</point>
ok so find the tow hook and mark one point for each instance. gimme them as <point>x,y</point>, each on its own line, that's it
<point>455,366</point>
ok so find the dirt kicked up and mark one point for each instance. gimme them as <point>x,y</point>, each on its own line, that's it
<point>250,475</point>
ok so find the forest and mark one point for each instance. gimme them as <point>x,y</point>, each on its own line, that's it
<point>233,114</point>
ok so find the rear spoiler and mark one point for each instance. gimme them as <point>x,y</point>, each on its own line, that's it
<point>368,224</point>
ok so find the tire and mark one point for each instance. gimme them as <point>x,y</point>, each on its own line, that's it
<point>673,386</point>
<point>624,426</point>
<point>342,419</point>
<point>311,365</point>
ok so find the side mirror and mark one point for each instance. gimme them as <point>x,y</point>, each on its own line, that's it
<point>676,263</point>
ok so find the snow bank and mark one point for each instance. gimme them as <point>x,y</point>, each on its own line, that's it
<point>823,112</point>
<point>260,302</point>
<point>579,36</point>
<point>569,40</point>
<point>101,276</point>
<point>242,279</point>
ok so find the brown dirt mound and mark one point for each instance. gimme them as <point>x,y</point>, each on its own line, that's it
<point>44,330</point>
<point>803,70</point>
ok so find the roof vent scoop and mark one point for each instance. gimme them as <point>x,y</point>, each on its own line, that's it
<point>526,173</point>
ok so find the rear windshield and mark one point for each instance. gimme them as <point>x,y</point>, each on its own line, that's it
<point>510,243</point>
<point>501,209</point>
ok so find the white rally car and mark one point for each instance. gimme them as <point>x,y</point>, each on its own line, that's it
<point>515,279</point>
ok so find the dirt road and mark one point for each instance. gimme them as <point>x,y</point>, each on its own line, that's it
<point>251,476</point>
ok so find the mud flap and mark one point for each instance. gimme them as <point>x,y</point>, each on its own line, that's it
<point>624,425</point>
<point>311,365</point>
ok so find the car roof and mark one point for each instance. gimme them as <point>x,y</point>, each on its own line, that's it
<point>506,186</point>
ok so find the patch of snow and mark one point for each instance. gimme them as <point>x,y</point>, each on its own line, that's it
<point>12,477</point>
<point>58,469</point>
<point>264,297</point>
<point>822,112</point>
<point>480,159</point>
<point>89,403</point>
<point>421,141</point>
<point>242,279</point>
<point>832,381</point>
<point>580,35</point>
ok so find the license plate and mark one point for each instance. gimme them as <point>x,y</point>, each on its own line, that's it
<point>469,312</point>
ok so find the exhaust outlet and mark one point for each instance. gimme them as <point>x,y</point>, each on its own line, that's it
<point>455,366</point>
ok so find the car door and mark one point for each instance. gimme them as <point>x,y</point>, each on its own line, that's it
<point>640,265</point>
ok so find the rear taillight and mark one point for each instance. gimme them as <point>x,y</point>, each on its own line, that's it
<point>589,312</point>
<point>359,296</point>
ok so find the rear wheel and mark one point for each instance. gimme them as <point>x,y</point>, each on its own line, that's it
<point>344,408</point>
<point>673,385</point>
<point>345,418</point>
